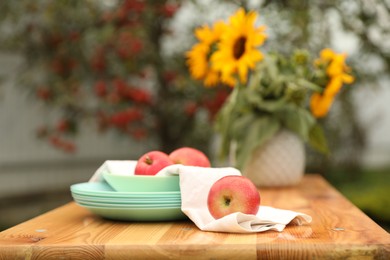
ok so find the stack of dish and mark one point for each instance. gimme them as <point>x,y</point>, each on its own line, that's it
<point>139,198</point>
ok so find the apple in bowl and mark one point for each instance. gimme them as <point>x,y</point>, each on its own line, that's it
<point>141,175</point>
<point>151,163</point>
<point>190,157</point>
<point>232,194</point>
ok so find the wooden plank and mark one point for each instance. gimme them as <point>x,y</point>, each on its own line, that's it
<point>339,230</point>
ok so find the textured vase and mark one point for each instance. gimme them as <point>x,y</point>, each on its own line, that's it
<point>278,162</point>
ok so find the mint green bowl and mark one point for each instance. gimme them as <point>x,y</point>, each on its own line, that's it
<point>142,183</point>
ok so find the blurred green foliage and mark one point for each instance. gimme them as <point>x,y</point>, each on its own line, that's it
<point>367,189</point>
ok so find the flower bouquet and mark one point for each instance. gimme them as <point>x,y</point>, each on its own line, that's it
<point>271,91</point>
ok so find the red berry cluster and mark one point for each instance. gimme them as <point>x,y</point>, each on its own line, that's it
<point>119,90</point>
<point>62,144</point>
<point>56,135</point>
<point>123,118</point>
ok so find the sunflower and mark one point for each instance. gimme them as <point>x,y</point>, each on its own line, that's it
<point>237,51</point>
<point>337,74</point>
<point>198,58</point>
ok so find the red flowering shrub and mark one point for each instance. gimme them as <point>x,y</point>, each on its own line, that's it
<point>107,63</point>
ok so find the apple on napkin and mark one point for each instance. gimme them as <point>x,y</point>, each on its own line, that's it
<point>232,194</point>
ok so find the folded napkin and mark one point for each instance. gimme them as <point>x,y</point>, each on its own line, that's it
<point>114,167</point>
<point>195,183</point>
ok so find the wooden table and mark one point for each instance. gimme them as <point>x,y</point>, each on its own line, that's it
<point>339,230</point>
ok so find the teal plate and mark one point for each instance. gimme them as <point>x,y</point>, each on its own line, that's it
<point>127,205</point>
<point>102,189</point>
<point>145,214</point>
<point>152,200</point>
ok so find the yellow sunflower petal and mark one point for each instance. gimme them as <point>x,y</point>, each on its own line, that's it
<point>253,57</point>
<point>238,18</point>
<point>204,34</point>
<point>229,80</point>
<point>334,86</point>
<point>320,105</point>
<point>196,60</point>
<point>259,36</point>
<point>243,72</point>
<point>327,54</point>
<point>211,79</point>
<point>250,19</point>
<point>334,69</point>
<point>218,29</point>
<point>348,78</point>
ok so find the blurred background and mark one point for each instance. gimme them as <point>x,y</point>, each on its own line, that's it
<point>82,82</point>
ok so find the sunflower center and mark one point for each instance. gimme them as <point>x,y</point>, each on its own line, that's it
<point>239,47</point>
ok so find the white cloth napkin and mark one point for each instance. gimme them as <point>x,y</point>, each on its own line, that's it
<point>195,183</point>
<point>114,167</point>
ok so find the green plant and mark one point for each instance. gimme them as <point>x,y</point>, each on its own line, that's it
<point>270,91</point>
<point>275,97</point>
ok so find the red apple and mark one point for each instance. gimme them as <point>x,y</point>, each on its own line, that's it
<point>151,163</point>
<point>189,156</point>
<point>233,194</point>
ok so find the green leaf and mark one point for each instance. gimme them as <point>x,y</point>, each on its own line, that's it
<point>261,130</point>
<point>298,120</point>
<point>309,85</point>
<point>241,124</point>
<point>317,139</point>
<point>225,119</point>
<point>267,105</point>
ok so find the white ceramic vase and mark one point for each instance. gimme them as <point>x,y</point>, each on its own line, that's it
<point>279,162</point>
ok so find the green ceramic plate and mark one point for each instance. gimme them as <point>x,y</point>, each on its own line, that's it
<point>142,183</point>
<point>145,214</point>
<point>152,200</point>
<point>102,189</point>
<point>129,206</point>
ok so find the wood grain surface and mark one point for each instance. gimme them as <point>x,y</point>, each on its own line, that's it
<point>339,230</point>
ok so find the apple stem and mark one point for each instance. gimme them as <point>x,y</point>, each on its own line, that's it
<point>148,160</point>
<point>227,201</point>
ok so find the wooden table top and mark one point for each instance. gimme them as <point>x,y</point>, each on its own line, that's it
<point>339,230</point>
